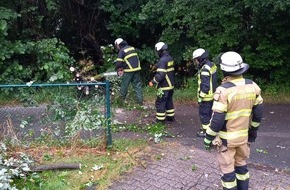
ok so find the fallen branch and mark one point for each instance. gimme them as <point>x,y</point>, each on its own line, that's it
<point>55,167</point>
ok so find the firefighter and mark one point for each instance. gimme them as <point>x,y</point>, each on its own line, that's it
<point>164,79</point>
<point>128,66</point>
<point>207,83</point>
<point>237,113</point>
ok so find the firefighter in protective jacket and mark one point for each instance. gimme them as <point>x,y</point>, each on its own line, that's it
<point>128,66</point>
<point>237,113</point>
<point>164,79</point>
<point>207,83</point>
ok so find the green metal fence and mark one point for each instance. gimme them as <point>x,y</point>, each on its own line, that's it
<point>72,86</point>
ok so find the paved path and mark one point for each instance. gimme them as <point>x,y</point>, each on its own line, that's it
<point>188,168</point>
<point>185,165</point>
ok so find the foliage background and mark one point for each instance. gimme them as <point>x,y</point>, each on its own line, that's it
<point>41,39</point>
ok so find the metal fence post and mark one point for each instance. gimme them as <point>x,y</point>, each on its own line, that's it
<point>108,115</point>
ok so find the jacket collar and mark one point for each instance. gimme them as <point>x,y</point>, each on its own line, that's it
<point>230,78</point>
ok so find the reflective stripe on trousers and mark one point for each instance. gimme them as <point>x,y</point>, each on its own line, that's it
<point>233,163</point>
<point>164,106</point>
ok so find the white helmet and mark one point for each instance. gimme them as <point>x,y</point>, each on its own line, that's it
<point>231,62</point>
<point>161,46</point>
<point>118,41</point>
<point>197,53</point>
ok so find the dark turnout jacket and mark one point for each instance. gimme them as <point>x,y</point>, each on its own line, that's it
<point>128,59</point>
<point>164,77</point>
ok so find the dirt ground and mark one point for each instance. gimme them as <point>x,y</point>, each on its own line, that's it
<point>270,151</point>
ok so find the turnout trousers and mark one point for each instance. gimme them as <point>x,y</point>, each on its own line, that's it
<point>205,113</point>
<point>135,79</point>
<point>233,165</point>
<point>164,106</point>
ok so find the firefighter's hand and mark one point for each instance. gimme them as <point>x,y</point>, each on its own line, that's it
<point>252,135</point>
<point>120,73</point>
<point>207,144</point>
<point>151,84</point>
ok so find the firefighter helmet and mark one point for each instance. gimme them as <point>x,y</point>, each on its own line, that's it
<point>118,41</point>
<point>232,63</point>
<point>199,56</point>
<point>197,53</point>
<point>161,46</point>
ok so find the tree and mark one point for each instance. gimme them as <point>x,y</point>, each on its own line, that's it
<point>80,27</point>
<point>28,52</point>
<point>256,29</point>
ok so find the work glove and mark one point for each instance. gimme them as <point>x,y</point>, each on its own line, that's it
<point>252,135</point>
<point>151,84</point>
<point>207,144</point>
<point>199,100</point>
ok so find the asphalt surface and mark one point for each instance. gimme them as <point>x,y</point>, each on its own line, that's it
<point>183,163</point>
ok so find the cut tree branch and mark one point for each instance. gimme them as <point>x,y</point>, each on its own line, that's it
<point>55,167</point>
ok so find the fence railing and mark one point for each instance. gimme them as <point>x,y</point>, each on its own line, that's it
<point>107,105</point>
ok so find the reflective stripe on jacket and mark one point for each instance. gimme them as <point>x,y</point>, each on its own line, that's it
<point>128,59</point>
<point>235,109</point>
<point>207,81</point>
<point>164,76</point>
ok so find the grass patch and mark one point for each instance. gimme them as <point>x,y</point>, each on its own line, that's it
<point>32,96</point>
<point>99,167</point>
<point>271,93</point>
<point>183,95</point>
<point>283,97</point>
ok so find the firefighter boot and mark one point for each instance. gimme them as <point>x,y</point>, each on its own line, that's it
<point>170,118</point>
<point>157,121</point>
<point>201,133</point>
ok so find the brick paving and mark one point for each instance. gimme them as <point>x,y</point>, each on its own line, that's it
<point>182,164</point>
<point>183,167</point>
